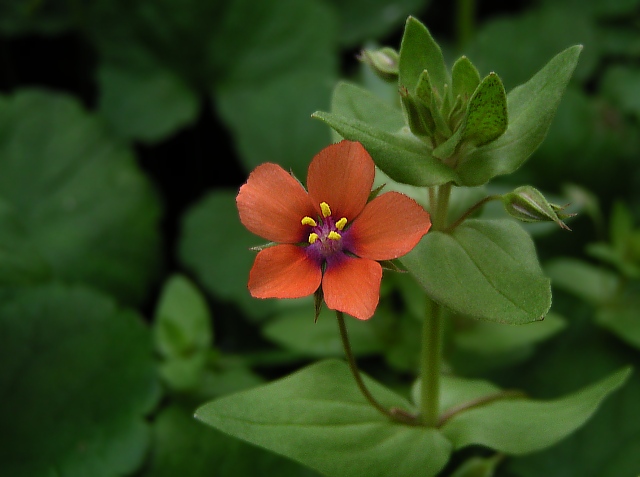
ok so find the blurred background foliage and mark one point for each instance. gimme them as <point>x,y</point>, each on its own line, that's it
<point>126,128</point>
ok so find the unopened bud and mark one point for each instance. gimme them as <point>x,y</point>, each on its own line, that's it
<point>384,62</point>
<point>418,115</point>
<point>529,205</point>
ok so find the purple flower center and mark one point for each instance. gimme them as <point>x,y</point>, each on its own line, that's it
<point>327,237</point>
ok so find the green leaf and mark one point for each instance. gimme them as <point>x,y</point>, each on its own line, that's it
<point>215,246</point>
<point>358,115</point>
<point>521,426</point>
<point>20,262</point>
<point>621,316</point>
<point>486,118</point>
<point>148,105</point>
<point>487,338</point>
<point>487,269</point>
<point>318,417</point>
<point>182,333</point>
<point>182,321</point>
<point>77,378</point>
<point>464,78</point>
<point>186,447</point>
<point>296,330</point>
<point>593,284</point>
<point>84,204</point>
<point>531,108</point>
<point>607,445</point>
<point>419,52</point>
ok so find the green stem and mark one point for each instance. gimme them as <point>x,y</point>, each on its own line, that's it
<point>431,364</point>
<point>465,22</point>
<point>471,210</point>
<point>442,207</point>
<point>394,414</point>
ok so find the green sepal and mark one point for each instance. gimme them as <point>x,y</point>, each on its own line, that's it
<point>486,118</point>
<point>383,62</point>
<point>418,115</point>
<point>464,78</point>
<point>527,204</point>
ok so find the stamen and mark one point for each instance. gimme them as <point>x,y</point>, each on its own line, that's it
<point>309,221</point>
<point>334,236</point>
<point>326,211</point>
<point>341,223</point>
<point>313,237</point>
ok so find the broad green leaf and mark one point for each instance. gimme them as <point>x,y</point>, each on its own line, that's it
<point>352,101</point>
<point>487,338</point>
<point>20,262</point>
<point>607,445</point>
<point>593,284</point>
<point>521,426</point>
<point>295,330</point>
<point>486,117</point>
<point>531,108</point>
<point>487,269</point>
<point>214,245</point>
<point>186,447</point>
<point>83,203</point>
<point>516,46</point>
<point>419,52</point>
<point>465,78</point>
<point>621,316</point>
<point>182,320</point>
<point>77,378</point>
<point>148,105</point>
<point>400,155</point>
<point>182,333</point>
<point>320,408</point>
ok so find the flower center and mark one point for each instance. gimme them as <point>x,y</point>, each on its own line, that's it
<point>326,233</point>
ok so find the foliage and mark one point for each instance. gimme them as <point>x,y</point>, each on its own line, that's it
<point>126,129</point>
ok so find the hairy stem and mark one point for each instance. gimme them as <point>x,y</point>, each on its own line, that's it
<point>394,414</point>
<point>470,211</point>
<point>431,363</point>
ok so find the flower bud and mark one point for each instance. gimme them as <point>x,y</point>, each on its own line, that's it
<point>529,205</point>
<point>384,62</point>
<point>418,115</point>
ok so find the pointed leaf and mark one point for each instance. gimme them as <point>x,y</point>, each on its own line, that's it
<point>487,269</point>
<point>317,416</point>
<point>465,78</point>
<point>419,52</point>
<point>531,108</point>
<point>521,426</point>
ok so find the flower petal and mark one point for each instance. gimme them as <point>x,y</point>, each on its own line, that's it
<point>388,227</point>
<point>284,271</point>
<point>272,203</point>
<point>341,175</point>
<point>352,285</point>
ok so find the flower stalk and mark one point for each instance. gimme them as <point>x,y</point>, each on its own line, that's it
<point>431,363</point>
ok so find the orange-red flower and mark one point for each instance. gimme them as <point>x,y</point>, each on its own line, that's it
<point>330,235</point>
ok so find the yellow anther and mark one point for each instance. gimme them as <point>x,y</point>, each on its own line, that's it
<point>341,223</point>
<point>313,237</point>
<point>334,235</point>
<point>308,221</point>
<point>326,211</point>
